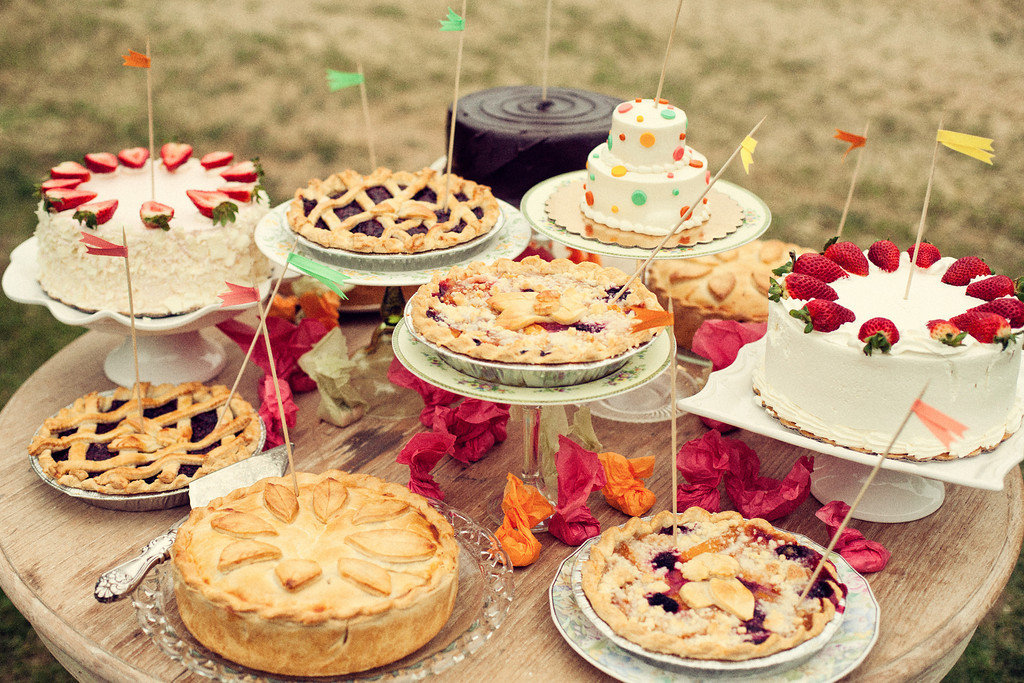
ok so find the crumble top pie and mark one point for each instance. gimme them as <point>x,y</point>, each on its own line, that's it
<point>533,311</point>
<point>351,573</point>
<point>392,212</point>
<point>97,443</point>
<point>728,589</point>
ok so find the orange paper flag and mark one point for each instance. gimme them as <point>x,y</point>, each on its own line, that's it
<point>648,318</point>
<point>854,140</point>
<point>938,423</point>
<point>625,491</point>
<point>524,508</point>
<point>134,58</point>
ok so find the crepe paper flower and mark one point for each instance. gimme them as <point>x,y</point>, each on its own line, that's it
<point>863,555</point>
<point>322,306</point>
<point>477,426</point>
<point>579,474</point>
<point>136,59</point>
<point>284,307</point>
<point>765,497</point>
<point>432,396</point>
<point>647,318</point>
<point>625,489</point>
<point>582,429</point>
<point>288,341</point>
<point>329,366</point>
<point>698,495</point>
<point>972,145</point>
<point>703,460</point>
<point>270,412</point>
<point>421,454</point>
<point>338,80</point>
<point>553,423</point>
<point>721,340</point>
<point>579,256</point>
<point>524,508</point>
<point>534,250</point>
<point>854,140</point>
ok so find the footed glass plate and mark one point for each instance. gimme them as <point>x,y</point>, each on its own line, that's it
<point>481,605</point>
<point>842,653</point>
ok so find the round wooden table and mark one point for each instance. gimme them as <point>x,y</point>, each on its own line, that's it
<point>946,570</point>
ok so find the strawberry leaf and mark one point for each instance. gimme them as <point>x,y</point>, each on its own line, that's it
<point>257,189</point>
<point>163,222</point>
<point>224,213</point>
<point>86,217</point>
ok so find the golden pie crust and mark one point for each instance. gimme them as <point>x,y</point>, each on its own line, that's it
<point>351,574</point>
<point>392,212</point>
<point>97,443</point>
<point>724,588</point>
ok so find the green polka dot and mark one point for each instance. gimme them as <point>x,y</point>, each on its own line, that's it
<point>675,193</point>
<point>668,114</point>
<point>639,197</point>
<point>609,141</point>
<point>592,177</point>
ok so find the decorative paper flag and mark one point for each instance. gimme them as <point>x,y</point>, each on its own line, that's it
<point>747,152</point>
<point>453,22</point>
<point>337,80</point>
<point>324,274</point>
<point>647,318</point>
<point>854,140</point>
<point>237,295</point>
<point>101,247</point>
<point>972,145</point>
<point>938,423</point>
<point>134,58</point>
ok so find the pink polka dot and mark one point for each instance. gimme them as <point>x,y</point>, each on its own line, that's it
<point>671,175</point>
<point>678,153</point>
<point>707,177</point>
<point>624,107</point>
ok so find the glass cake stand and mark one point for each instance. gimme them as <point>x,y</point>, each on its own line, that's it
<point>649,404</point>
<point>172,349</point>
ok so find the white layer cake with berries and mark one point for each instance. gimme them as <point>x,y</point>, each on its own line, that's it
<point>645,178</point>
<point>187,234</point>
<point>846,354</point>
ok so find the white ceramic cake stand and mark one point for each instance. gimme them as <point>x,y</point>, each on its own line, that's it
<point>903,490</point>
<point>171,349</point>
<point>649,404</point>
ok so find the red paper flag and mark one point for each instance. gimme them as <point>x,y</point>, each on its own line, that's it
<point>237,295</point>
<point>134,58</point>
<point>854,140</point>
<point>938,423</point>
<point>101,247</point>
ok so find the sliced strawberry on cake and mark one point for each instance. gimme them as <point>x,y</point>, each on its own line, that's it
<point>823,316</point>
<point>70,169</point>
<point>96,213</point>
<point>848,255</point>
<point>156,215</point>
<point>946,332</point>
<point>101,162</point>
<point>927,255</point>
<point>174,154</point>
<point>1009,307</point>
<point>216,206</point>
<point>800,286</point>
<point>240,192</point>
<point>216,159</point>
<point>64,199</point>
<point>885,254</point>
<point>965,269</point>
<point>59,184</point>
<point>879,333</point>
<point>133,157</point>
<point>994,287</point>
<point>244,172</point>
<point>985,326</point>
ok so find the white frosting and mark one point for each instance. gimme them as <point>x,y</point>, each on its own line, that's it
<point>173,271</point>
<point>645,176</point>
<point>825,383</point>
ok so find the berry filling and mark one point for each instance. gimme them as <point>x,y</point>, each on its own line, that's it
<point>373,228</point>
<point>99,451</point>
<point>308,205</point>
<point>425,195</point>
<point>755,627</point>
<point>665,560</point>
<point>348,211</point>
<point>683,529</point>
<point>159,410</point>
<point>203,424</point>
<point>663,601</point>
<point>805,556</point>
<point>378,194</point>
<point>60,456</point>
<point>418,230</point>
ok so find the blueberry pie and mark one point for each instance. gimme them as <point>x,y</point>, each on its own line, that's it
<point>534,311</point>
<point>390,212</point>
<point>97,443</point>
<point>723,587</point>
<point>349,573</point>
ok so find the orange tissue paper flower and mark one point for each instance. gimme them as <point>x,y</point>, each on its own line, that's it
<point>284,307</point>
<point>322,306</point>
<point>625,491</point>
<point>524,507</point>
<point>522,546</point>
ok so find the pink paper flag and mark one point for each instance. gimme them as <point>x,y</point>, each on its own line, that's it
<point>238,295</point>
<point>101,247</point>
<point>938,423</point>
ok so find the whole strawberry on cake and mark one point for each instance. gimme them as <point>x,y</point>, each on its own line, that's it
<point>189,229</point>
<point>846,352</point>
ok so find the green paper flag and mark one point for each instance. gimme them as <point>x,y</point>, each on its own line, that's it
<point>453,22</point>
<point>324,274</point>
<point>336,80</point>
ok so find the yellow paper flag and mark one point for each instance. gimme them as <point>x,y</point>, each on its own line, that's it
<point>972,145</point>
<point>134,58</point>
<point>747,152</point>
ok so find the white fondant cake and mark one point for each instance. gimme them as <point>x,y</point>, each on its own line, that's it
<point>172,271</point>
<point>645,177</point>
<point>824,384</point>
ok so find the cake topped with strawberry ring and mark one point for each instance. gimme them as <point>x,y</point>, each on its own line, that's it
<point>846,352</point>
<point>188,228</point>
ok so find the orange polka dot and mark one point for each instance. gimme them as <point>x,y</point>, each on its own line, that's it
<point>682,136</point>
<point>647,139</point>
<point>618,171</point>
<point>682,211</point>
<point>705,200</point>
<point>590,198</point>
<point>622,137</point>
<point>697,163</point>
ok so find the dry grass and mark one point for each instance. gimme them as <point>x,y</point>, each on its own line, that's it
<point>248,75</point>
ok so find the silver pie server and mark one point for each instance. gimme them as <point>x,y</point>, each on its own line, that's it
<point>118,582</point>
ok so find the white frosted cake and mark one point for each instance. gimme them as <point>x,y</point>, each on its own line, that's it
<point>644,179</point>
<point>174,270</point>
<point>826,385</point>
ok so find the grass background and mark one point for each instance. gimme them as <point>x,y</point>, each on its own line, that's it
<point>248,75</point>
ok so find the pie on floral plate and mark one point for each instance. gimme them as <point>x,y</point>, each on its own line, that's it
<point>720,587</point>
<point>392,212</point>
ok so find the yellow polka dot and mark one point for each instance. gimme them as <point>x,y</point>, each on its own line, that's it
<point>615,209</point>
<point>618,171</point>
<point>647,139</point>
<point>640,119</point>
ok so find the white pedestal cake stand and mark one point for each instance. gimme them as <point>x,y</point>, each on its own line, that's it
<point>649,404</point>
<point>171,349</point>
<point>903,490</point>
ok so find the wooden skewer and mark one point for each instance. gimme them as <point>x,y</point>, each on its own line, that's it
<point>277,392</point>
<point>366,118</point>
<point>664,64</point>
<point>547,53</point>
<point>455,108</point>
<point>853,183</point>
<point>149,107</point>
<point>924,213</point>
<point>137,389</point>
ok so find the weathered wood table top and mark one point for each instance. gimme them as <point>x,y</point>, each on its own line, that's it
<point>946,570</point>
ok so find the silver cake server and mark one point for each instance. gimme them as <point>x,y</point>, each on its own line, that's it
<point>118,582</point>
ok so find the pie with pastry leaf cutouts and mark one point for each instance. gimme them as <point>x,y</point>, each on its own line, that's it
<point>350,574</point>
<point>721,588</point>
<point>392,212</point>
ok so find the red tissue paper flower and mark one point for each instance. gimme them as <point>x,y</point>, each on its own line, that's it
<point>720,341</point>
<point>287,340</point>
<point>579,474</point>
<point>477,426</point>
<point>270,411</point>
<point>421,454</point>
<point>432,396</point>
<point>863,555</point>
